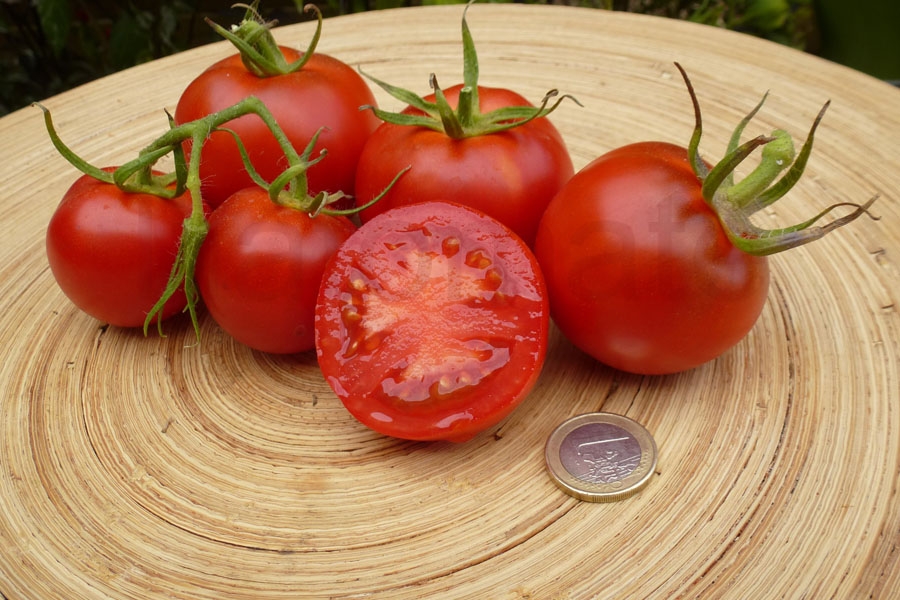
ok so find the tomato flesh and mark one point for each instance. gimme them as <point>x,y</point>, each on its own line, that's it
<point>640,273</point>
<point>432,322</point>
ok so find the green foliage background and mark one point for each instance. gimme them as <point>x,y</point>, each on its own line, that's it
<point>48,46</point>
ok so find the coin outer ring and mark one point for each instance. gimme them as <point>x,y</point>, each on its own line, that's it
<point>612,490</point>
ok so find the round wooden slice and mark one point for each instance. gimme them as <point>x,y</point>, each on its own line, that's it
<point>161,468</point>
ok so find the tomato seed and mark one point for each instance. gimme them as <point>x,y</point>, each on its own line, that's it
<point>445,385</point>
<point>478,260</point>
<point>373,341</point>
<point>493,279</point>
<point>350,315</point>
<point>450,246</point>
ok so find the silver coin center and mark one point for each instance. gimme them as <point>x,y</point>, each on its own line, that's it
<point>600,453</point>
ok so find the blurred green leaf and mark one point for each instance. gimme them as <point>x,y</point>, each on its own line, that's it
<point>767,15</point>
<point>56,19</point>
<point>168,25</point>
<point>129,43</point>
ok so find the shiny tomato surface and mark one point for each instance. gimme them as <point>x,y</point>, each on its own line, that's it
<point>324,93</point>
<point>112,252</point>
<point>640,273</point>
<point>432,322</point>
<point>260,266</point>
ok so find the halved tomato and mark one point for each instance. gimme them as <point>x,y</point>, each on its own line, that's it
<point>432,322</point>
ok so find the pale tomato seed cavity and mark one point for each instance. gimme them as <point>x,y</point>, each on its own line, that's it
<point>376,310</point>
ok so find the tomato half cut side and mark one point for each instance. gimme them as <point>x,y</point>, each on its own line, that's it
<point>432,322</point>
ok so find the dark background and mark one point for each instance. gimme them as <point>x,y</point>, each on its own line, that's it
<point>49,46</point>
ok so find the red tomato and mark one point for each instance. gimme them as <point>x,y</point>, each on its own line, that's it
<point>324,93</point>
<point>260,266</point>
<point>432,322</point>
<point>112,252</point>
<point>510,175</point>
<point>640,273</point>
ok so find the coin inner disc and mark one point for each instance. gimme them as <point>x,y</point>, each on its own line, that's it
<point>600,453</point>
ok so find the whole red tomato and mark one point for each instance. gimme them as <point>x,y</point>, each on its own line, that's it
<point>640,273</point>
<point>653,262</point>
<point>323,93</point>
<point>432,322</point>
<point>510,175</point>
<point>488,148</point>
<point>260,266</point>
<point>112,252</point>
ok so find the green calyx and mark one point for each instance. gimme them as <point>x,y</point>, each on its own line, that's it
<point>291,188</point>
<point>736,202</point>
<point>466,120</point>
<point>259,51</point>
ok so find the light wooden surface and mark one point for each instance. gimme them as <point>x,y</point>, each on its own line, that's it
<point>154,468</point>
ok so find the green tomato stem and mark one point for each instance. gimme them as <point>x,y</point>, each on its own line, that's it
<point>697,163</point>
<point>470,55</point>
<point>259,51</point>
<point>735,140</point>
<point>736,203</point>
<point>193,233</point>
<point>181,166</point>
<point>724,169</point>
<point>67,153</point>
<point>777,155</point>
<point>466,120</point>
<point>793,174</point>
<point>451,120</point>
<point>372,202</point>
<point>467,106</point>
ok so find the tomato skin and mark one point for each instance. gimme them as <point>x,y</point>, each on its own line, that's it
<point>112,252</point>
<point>260,266</point>
<point>324,93</point>
<point>640,273</point>
<point>510,175</point>
<point>432,322</point>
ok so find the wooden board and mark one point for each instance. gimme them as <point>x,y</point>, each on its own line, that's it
<point>135,467</point>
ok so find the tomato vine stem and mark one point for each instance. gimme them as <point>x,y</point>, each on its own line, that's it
<point>137,176</point>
